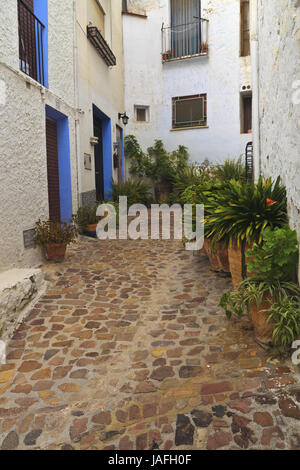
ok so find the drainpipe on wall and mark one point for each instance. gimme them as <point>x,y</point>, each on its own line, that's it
<point>255,87</point>
<point>76,93</point>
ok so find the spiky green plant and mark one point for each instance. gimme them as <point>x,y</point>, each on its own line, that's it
<point>230,170</point>
<point>136,191</point>
<point>241,211</point>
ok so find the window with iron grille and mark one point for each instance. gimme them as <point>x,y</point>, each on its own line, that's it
<point>189,111</point>
<point>31,48</point>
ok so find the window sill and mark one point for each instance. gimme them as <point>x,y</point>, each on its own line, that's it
<point>184,57</point>
<point>188,128</point>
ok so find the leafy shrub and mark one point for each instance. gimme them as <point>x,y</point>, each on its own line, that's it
<point>277,257</point>
<point>274,264</point>
<point>140,162</point>
<point>285,314</point>
<point>137,192</point>
<point>51,232</point>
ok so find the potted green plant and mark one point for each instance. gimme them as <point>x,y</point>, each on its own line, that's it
<point>202,194</point>
<point>274,263</point>
<point>54,237</point>
<point>86,219</point>
<point>240,212</point>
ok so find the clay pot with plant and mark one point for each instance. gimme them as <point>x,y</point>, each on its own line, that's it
<point>273,266</point>
<point>54,237</point>
<point>239,213</point>
<point>87,219</point>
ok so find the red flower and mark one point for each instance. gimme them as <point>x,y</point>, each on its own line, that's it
<point>270,202</point>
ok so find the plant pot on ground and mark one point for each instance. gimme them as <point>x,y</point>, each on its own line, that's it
<point>238,262</point>
<point>240,212</point>
<point>87,220</point>
<point>263,326</point>
<point>268,295</point>
<point>54,237</point>
<point>218,255</point>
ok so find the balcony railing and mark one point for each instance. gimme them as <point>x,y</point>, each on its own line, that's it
<point>185,40</point>
<point>31,59</point>
<point>101,45</point>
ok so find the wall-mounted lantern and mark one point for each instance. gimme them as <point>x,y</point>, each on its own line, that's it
<point>124,118</point>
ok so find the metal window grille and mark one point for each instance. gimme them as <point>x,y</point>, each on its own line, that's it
<point>31,58</point>
<point>190,111</point>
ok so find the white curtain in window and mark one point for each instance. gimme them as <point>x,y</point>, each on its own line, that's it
<point>186,27</point>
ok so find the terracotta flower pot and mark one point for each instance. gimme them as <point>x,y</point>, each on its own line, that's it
<point>262,328</point>
<point>55,252</point>
<point>218,255</point>
<point>212,256</point>
<point>236,263</point>
<point>91,228</point>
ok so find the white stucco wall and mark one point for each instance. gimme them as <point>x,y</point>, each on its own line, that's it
<point>279,97</point>
<point>23,161</point>
<point>98,84</point>
<point>221,75</point>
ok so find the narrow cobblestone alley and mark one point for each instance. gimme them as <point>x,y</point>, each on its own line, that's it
<point>129,350</point>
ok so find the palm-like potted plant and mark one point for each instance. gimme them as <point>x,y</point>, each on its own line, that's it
<point>240,212</point>
<point>203,194</point>
<point>54,237</point>
<point>264,295</point>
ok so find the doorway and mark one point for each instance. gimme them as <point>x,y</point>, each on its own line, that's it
<point>119,133</point>
<point>52,170</point>
<point>99,160</point>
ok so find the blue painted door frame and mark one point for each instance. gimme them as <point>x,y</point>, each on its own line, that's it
<point>64,166</point>
<point>41,12</point>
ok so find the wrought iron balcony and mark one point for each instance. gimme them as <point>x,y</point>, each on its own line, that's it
<point>101,45</point>
<point>31,59</point>
<point>185,40</point>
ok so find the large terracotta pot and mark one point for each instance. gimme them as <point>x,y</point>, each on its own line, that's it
<point>218,255</point>
<point>222,252</point>
<point>91,228</point>
<point>55,252</point>
<point>236,263</point>
<point>262,328</point>
<point>213,258</point>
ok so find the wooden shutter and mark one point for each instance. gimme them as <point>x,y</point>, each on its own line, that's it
<point>53,171</point>
<point>245,28</point>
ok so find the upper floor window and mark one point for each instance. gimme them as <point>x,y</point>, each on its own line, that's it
<point>142,113</point>
<point>189,111</point>
<point>32,58</point>
<point>188,34</point>
<point>245,28</point>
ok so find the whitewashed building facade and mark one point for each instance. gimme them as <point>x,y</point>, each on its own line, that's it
<point>188,75</point>
<point>61,106</point>
<point>276,137</point>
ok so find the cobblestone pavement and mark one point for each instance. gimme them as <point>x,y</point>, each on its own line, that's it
<point>128,350</point>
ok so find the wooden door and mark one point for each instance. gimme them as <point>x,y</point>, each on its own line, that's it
<point>52,170</point>
<point>99,171</point>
